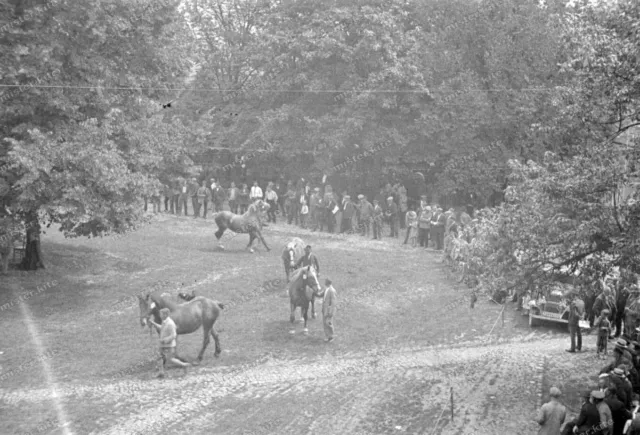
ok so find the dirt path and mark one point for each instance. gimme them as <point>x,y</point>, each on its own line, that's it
<point>351,393</point>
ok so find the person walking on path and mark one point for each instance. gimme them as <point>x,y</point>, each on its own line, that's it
<point>552,414</point>
<point>329,302</point>
<point>168,342</point>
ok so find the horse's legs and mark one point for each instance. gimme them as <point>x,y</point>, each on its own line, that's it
<point>205,342</point>
<point>313,308</point>
<point>305,311</point>
<point>216,340</point>
<point>252,237</point>
<point>219,234</point>
<point>292,317</point>
<point>263,242</point>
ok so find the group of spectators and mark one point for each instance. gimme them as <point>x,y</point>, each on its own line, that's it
<point>611,408</point>
<point>320,208</point>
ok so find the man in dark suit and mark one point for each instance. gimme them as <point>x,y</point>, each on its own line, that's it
<point>308,259</point>
<point>192,192</point>
<point>588,420</point>
<point>576,311</point>
<point>619,414</point>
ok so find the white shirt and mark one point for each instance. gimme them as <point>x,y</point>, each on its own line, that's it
<point>272,195</point>
<point>256,192</point>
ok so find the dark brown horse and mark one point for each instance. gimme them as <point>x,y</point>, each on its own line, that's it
<point>188,317</point>
<point>292,252</point>
<point>248,223</point>
<point>303,289</point>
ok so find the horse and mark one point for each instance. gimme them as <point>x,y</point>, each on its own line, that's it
<point>248,223</point>
<point>303,289</point>
<point>292,252</point>
<point>188,317</point>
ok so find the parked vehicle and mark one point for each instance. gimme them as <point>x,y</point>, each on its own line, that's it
<point>552,307</point>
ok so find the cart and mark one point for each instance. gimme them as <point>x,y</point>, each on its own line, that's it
<point>552,308</point>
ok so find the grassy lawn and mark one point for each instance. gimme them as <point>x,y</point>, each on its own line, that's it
<point>79,333</point>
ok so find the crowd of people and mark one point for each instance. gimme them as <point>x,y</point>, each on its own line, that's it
<point>612,407</point>
<point>320,208</point>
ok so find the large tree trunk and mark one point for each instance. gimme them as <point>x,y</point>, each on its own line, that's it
<point>33,259</point>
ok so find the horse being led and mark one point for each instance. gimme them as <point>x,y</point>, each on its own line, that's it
<point>292,252</point>
<point>188,317</point>
<point>248,223</point>
<point>303,289</point>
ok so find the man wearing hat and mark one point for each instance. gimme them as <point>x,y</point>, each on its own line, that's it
<point>437,228</point>
<point>619,413</point>
<point>606,419</point>
<point>308,259</point>
<point>424,222</point>
<point>315,209</point>
<point>329,302</point>
<point>576,311</point>
<point>348,212</point>
<point>392,216</point>
<point>589,419</point>
<point>192,192</point>
<point>366,214</point>
<point>552,414</point>
<point>624,391</point>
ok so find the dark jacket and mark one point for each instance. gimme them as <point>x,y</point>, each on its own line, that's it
<point>308,260</point>
<point>619,414</point>
<point>349,210</point>
<point>588,419</point>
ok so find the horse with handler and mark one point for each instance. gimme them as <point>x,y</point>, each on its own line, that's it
<point>188,317</point>
<point>303,289</point>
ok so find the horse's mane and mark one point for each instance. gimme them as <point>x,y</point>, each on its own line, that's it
<point>163,302</point>
<point>297,274</point>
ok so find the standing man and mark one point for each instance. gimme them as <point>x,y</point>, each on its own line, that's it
<point>313,205</point>
<point>347,214</point>
<point>203,200</point>
<point>330,212</point>
<point>289,204</point>
<point>404,206</point>
<point>437,226</point>
<point>166,191</point>
<point>184,197</point>
<point>424,222</point>
<point>256,192</point>
<point>233,198</point>
<point>168,342</point>
<point>552,414</point>
<point>622,295</point>
<point>308,259</point>
<point>576,311</point>
<point>175,197</point>
<point>329,303</point>
<point>366,215</point>
<point>272,199</point>
<point>219,196</point>
<point>192,192</point>
<point>320,211</point>
<point>392,216</point>
<point>281,190</point>
<point>377,220</point>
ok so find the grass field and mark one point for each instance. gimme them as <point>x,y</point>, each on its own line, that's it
<point>75,353</point>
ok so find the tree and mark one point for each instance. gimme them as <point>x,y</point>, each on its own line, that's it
<point>84,151</point>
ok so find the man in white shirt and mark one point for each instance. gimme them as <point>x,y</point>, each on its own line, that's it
<point>256,192</point>
<point>329,302</point>
<point>168,335</point>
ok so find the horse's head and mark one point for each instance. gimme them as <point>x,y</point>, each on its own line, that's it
<point>147,307</point>
<point>291,254</point>
<point>310,278</point>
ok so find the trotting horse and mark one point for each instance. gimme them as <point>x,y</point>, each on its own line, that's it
<point>303,289</point>
<point>188,317</point>
<point>247,223</point>
<point>292,252</point>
